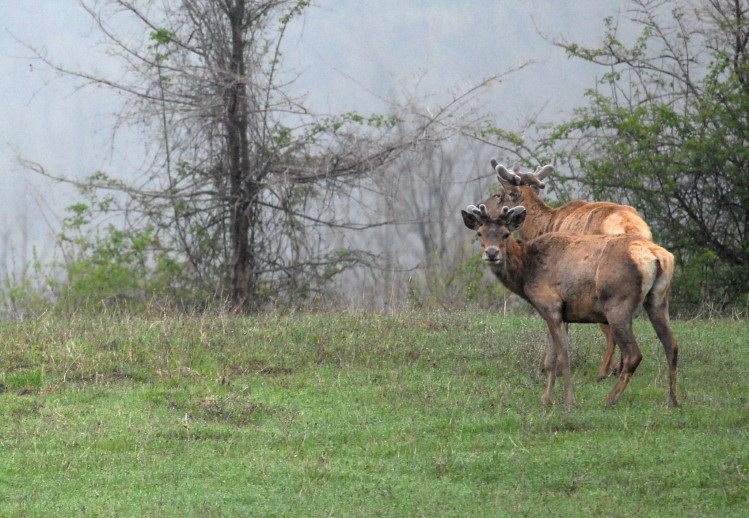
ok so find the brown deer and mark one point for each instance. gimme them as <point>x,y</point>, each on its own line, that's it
<point>576,216</point>
<point>583,278</point>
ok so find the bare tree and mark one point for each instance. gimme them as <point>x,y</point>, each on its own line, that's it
<point>241,178</point>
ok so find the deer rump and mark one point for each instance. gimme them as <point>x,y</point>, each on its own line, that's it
<point>587,277</point>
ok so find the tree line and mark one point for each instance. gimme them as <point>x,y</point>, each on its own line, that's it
<point>250,199</point>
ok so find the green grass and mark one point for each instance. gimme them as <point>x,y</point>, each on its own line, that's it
<point>433,414</point>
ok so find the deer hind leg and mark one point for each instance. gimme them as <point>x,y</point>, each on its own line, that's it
<point>658,314</point>
<point>557,357</point>
<point>631,358</point>
<point>608,356</point>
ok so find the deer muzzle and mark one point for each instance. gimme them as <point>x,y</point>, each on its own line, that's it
<point>491,254</point>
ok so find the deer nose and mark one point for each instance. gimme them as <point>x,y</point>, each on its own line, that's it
<point>491,254</point>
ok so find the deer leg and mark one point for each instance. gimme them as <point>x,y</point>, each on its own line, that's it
<point>603,370</point>
<point>560,372</point>
<point>559,361</point>
<point>563,361</point>
<point>551,350</point>
<point>658,314</point>
<point>631,358</point>
<point>551,368</point>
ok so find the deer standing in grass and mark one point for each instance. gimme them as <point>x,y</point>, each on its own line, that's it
<point>570,277</point>
<point>576,216</point>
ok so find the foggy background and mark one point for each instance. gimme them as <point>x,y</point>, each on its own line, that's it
<point>352,56</point>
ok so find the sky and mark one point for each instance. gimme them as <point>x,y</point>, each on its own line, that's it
<point>351,54</point>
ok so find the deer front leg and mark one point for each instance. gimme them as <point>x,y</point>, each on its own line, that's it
<point>551,349</point>
<point>559,360</point>
<point>564,364</point>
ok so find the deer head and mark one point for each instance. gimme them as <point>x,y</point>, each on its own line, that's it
<point>493,232</point>
<point>515,188</point>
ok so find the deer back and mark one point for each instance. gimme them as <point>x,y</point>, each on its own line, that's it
<point>589,274</point>
<point>599,218</point>
<point>576,216</point>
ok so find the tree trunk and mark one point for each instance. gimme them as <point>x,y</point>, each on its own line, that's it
<point>239,162</point>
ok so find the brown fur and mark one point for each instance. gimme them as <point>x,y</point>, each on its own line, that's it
<point>582,278</point>
<point>576,216</point>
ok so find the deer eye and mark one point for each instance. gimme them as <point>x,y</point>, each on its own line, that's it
<point>479,234</point>
<point>505,236</point>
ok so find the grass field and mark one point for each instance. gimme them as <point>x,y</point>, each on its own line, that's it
<point>412,414</point>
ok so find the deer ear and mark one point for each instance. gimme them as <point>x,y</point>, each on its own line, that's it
<point>515,218</point>
<point>506,186</point>
<point>470,220</point>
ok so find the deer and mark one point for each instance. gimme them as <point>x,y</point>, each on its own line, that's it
<point>581,278</point>
<point>576,216</point>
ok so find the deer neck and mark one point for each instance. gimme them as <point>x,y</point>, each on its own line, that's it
<point>510,270</point>
<point>540,216</point>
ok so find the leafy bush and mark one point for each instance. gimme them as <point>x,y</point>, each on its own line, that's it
<point>114,265</point>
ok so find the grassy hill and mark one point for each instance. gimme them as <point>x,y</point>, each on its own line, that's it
<point>411,414</point>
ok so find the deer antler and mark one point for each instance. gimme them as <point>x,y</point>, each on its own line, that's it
<point>507,212</point>
<point>544,171</point>
<point>473,209</point>
<point>505,174</point>
<point>479,212</point>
